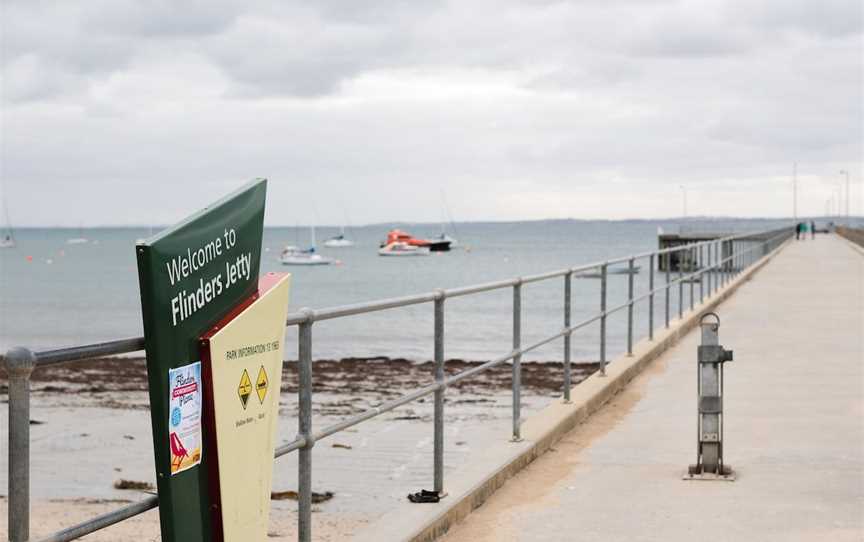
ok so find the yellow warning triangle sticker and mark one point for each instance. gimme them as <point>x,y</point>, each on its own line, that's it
<point>261,384</point>
<point>244,389</point>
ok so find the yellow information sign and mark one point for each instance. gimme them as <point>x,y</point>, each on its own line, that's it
<point>249,342</point>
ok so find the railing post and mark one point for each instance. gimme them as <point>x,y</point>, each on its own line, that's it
<point>701,274</point>
<point>603,320</point>
<point>304,464</point>
<point>438,452</point>
<point>680,284</point>
<point>568,279</point>
<point>630,271</point>
<point>692,260</point>
<point>19,365</point>
<point>717,266</point>
<point>651,298</point>
<point>517,360</point>
<point>668,275</point>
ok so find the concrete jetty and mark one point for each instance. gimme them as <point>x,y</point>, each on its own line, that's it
<point>794,404</point>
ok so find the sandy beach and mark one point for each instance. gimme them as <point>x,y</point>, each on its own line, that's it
<point>91,429</point>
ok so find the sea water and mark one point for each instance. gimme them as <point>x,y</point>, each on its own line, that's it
<point>54,294</point>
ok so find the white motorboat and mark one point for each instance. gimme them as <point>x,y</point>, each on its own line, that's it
<point>402,249</point>
<point>77,241</point>
<point>292,255</point>
<point>7,241</point>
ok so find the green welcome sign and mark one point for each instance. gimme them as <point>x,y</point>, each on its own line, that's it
<point>191,275</point>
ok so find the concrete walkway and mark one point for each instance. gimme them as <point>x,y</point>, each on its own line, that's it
<point>794,429</point>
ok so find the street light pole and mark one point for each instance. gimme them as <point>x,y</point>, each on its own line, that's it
<point>684,197</point>
<point>795,191</point>
<point>846,172</point>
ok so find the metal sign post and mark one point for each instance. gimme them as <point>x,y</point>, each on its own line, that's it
<point>709,384</point>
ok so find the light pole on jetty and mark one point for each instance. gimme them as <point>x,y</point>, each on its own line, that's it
<point>684,199</point>
<point>846,172</point>
<point>795,190</point>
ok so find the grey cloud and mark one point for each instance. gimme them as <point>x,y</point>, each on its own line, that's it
<point>827,18</point>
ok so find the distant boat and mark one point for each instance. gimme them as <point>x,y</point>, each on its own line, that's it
<point>339,241</point>
<point>448,218</point>
<point>398,248</point>
<point>399,236</point>
<point>8,238</point>
<point>292,255</point>
<point>8,241</point>
<point>80,240</point>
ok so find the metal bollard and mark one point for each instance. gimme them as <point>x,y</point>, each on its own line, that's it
<point>438,445</point>
<point>517,360</point>
<point>709,402</point>
<point>304,462</point>
<point>19,365</point>
<point>568,380</point>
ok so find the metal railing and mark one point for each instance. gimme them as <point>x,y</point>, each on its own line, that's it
<point>710,263</point>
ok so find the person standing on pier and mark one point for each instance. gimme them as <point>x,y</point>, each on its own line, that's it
<point>812,229</point>
<point>798,231</point>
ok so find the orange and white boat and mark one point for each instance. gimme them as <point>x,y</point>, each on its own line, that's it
<point>399,236</point>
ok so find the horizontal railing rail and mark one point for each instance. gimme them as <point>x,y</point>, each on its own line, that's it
<point>710,263</point>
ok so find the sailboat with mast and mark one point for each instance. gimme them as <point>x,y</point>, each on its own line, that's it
<point>339,241</point>
<point>447,218</point>
<point>7,239</point>
<point>292,255</point>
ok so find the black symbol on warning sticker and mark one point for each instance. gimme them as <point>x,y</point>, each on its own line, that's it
<point>244,389</point>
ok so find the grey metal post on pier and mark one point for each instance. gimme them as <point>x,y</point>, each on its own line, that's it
<point>690,269</point>
<point>651,298</point>
<point>568,280</point>
<point>517,360</point>
<point>681,286</point>
<point>630,272</point>
<point>304,463</point>
<point>19,365</point>
<point>668,277</point>
<point>701,274</point>
<point>603,319</point>
<point>438,446</point>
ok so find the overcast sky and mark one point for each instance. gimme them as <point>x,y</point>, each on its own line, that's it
<point>134,112</point>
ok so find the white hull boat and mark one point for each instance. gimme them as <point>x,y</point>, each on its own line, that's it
<point>402,249</point>
<point>338,242</point>
<point>295,256</point>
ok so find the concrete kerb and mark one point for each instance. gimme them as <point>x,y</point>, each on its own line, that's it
<point>470,488</point>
